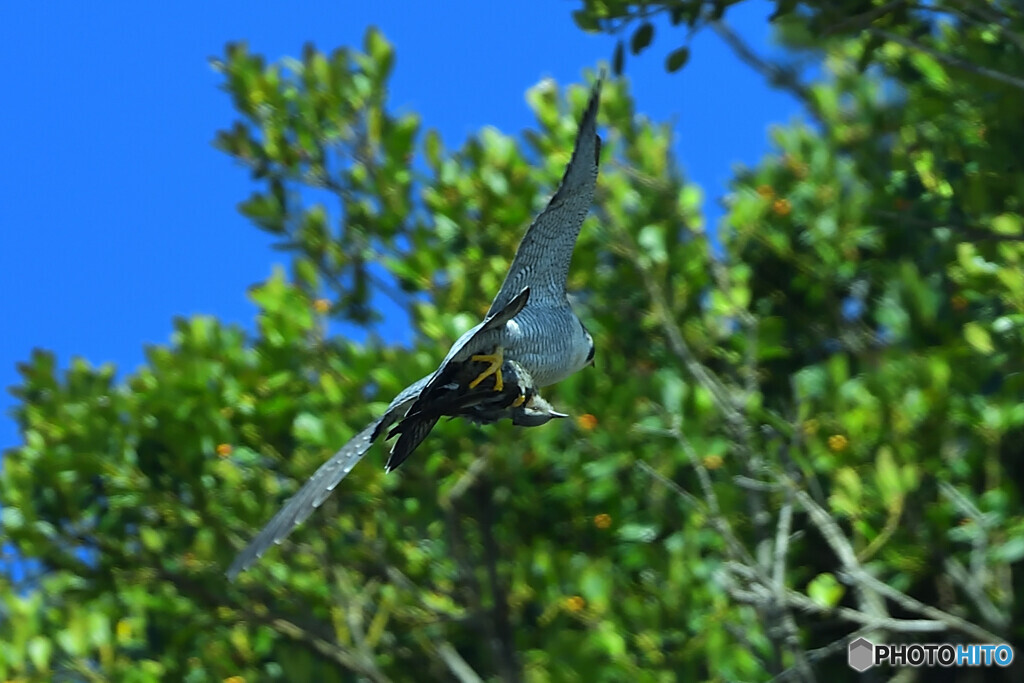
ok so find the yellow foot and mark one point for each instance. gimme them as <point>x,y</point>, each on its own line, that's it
<point>494,368</point>
<point>519,401</point>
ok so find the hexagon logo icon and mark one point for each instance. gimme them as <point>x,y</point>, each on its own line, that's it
<point>861,656</point>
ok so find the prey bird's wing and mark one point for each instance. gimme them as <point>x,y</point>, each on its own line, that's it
<point>495,319</point>
<point>421,417</point>
<point>542,259</point>
<point>315,491</point>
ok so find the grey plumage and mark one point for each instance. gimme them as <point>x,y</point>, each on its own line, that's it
<point>483,405</point>
<point>529,339</point>
<point>546,337</point>
<point>518,400</point>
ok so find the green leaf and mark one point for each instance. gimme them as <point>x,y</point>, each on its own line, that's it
<point>1008,224</point>
<point>432,147</point>
<point>12,519</point>
<point>887,475</point>
<point>978,337</point>
<point>677,59</point>
<point>642,38</point>
<point>931,69</point>
<point>265,211</point>
<point>151,539</point>
<point>825,590</point>
<point>1011,551</point>
<point>40,649</point>
<point>586,20</point>
<point>652,240</point>
<point>309,428</point>
<point>618,59</point>
<point>378,47</point>
<point>638,533</point>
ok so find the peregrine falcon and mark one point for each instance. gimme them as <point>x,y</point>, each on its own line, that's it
<point>529,339</point>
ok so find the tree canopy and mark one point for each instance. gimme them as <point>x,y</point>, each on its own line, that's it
<point>812,435</point>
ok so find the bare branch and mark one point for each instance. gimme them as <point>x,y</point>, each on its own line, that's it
<point>949,621</point>
<point>869,601</point>
<point>971,585</point>
<point>327,649</point>
<point>778,76</point>
<point>456,664</point>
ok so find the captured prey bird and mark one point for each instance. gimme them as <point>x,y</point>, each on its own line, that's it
<point>530,338</point>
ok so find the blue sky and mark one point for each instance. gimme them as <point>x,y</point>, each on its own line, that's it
<point>116,213</point>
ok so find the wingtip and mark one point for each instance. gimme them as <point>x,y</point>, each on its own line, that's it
<point>235,569</point>
<point>245,560</point>
<point>593,105</point>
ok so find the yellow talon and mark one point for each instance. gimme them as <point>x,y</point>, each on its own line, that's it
<point>519,401</point>
<point>494,368</point>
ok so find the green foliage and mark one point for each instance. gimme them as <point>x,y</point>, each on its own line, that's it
<point>834,400</point>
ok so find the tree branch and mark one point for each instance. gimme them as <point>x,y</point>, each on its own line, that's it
<point>949,60</point>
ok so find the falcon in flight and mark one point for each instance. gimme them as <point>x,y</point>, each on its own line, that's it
<point>529,339</point>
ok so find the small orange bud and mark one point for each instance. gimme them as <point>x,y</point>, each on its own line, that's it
<point>224,449</point>
<point>781,207</point>
<point>586,421</point>
<point>321,306</point>
<point>766,191</point>
<point>797,167</point>
<point>811,427</point>
<point>959,302</point>
<point>838,442</point>
<point>602,521</point>
<point>574,603</point>
<point>901,204</point>
<point>234,679</point>
<point>713,462</point>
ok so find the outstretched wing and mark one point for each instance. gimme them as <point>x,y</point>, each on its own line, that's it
<point>542,260</point>
<point>315,491</point>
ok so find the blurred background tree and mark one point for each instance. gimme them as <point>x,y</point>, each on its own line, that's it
<point>812,433</point>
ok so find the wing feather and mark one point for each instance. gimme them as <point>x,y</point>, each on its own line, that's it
<point>315,491</point>
<point>542,259</point>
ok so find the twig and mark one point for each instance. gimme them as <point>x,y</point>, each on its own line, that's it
<point>756,484</point>
<point>755,593</point>
<point>949,59</point>
<point>325,648</point>
<point>776,75</point>
<point>465,482</point>
<point>950,621</point>
<point>974,232</point>
<point>456,664</point>
<point>816,655</point>
<point>988,18</point>
<point>860,21</point>
<point>971,585</point>
<point>870,602</point>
